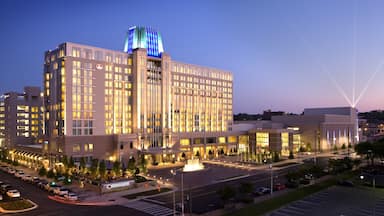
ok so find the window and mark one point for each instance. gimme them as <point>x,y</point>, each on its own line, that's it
<point>262,139</point>
<point>98,55</point>
<point>76,148</point>
<point>184,142</point>
<point>90,147</point>
<point>221,139</point>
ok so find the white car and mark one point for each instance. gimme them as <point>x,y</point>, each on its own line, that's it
<point>60,191</point>
<point>26,178</point>
<point>71,196</point>
<point>19,174</point>
<point>13,193</point>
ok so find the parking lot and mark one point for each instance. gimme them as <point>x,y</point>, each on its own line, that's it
<point>338,200</point>
<point>48,207</point>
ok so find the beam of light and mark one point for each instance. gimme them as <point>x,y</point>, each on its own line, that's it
<point>341,90</point>
<point>325,70</point>
<point>354,60</point>
<point>379,68</point>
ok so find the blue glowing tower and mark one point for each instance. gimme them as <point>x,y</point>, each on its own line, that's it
<point>144,37</point>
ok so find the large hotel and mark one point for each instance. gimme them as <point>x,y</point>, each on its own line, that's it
<point>111,104</point>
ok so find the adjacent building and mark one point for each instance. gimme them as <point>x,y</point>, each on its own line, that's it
<point>21,118</point>
<point>114,104</point>
<point>324,129</point>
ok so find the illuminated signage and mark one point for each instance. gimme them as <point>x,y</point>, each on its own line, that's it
<point>99,67</point>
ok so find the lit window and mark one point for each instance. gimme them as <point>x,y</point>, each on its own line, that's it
<point>76,148</point>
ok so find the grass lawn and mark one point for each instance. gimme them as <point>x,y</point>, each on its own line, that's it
<point>147,193</point>
<point>16,204</point>
<point>279,201</point>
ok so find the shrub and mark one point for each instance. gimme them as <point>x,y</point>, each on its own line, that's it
<point>42,171</point>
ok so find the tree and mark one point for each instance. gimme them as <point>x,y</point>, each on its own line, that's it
<point>276,157</point>
<point>102,169</point>
<point>50,174</point>
<point>343,146</point>
<point>131,164</point>
<point>71,162</point>
<point>291,155</point>
<point>82,164</point>
<point>197,154</point>
<point>245,188</point>
<point>117,168</point>
<point>210,152</point>
<point>65,162</point>
<point>302,149</point>
<point>94,167</point>
<point>335,148</point>
<point>143,163</point>
<point>42,171</point>
<point>226,193</point>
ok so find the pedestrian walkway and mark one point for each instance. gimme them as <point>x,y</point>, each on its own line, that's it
<point>149,208</point>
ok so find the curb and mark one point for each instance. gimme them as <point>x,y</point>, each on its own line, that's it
<point>54,198</point>
<point>20,211</point>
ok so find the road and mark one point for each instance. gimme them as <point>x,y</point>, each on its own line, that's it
<point>205,198</point>
<point>49,207</point>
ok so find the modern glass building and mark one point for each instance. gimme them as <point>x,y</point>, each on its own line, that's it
<point>108,104</point>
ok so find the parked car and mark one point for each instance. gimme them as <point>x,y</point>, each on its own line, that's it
<point>50,186</point>
<point>304,181</point>
<point>26,177</point>
<point>278,187</point>
<point>347,183</point>
<point>11,171</point>
<point>41,184</point>
<point>60,191</point>
<point>5,188</point>
<point>19,173</point>
<point>71,196</point>
<point>261,191</point>
<point>4,168</point>
<point>13,193</point>
<point>35,180</point>
<point>292,184</point>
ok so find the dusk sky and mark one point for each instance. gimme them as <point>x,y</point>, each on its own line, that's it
<point>282,53</point>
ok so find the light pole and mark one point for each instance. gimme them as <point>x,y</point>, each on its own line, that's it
<point>182,193</point>
<point>270,167</point>
<point>174,198</point>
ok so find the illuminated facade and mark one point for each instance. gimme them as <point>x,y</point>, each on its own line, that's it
<point>110,104</point>
<point>21,118</point>
<point>324,128</point>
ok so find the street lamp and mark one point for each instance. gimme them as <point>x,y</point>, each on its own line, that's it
<point>182,193</point>
<point>270,167</point>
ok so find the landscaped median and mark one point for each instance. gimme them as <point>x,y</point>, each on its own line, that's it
<point>269,205</point>
<point>17,206</point>
<point>147,193</point>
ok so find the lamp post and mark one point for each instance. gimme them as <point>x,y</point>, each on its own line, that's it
<point>174,198</point>
<point>182,194</point>
<point>270,167</point>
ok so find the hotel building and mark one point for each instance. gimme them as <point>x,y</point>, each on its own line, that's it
<point>21,118</point>
<point>107,104</point>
